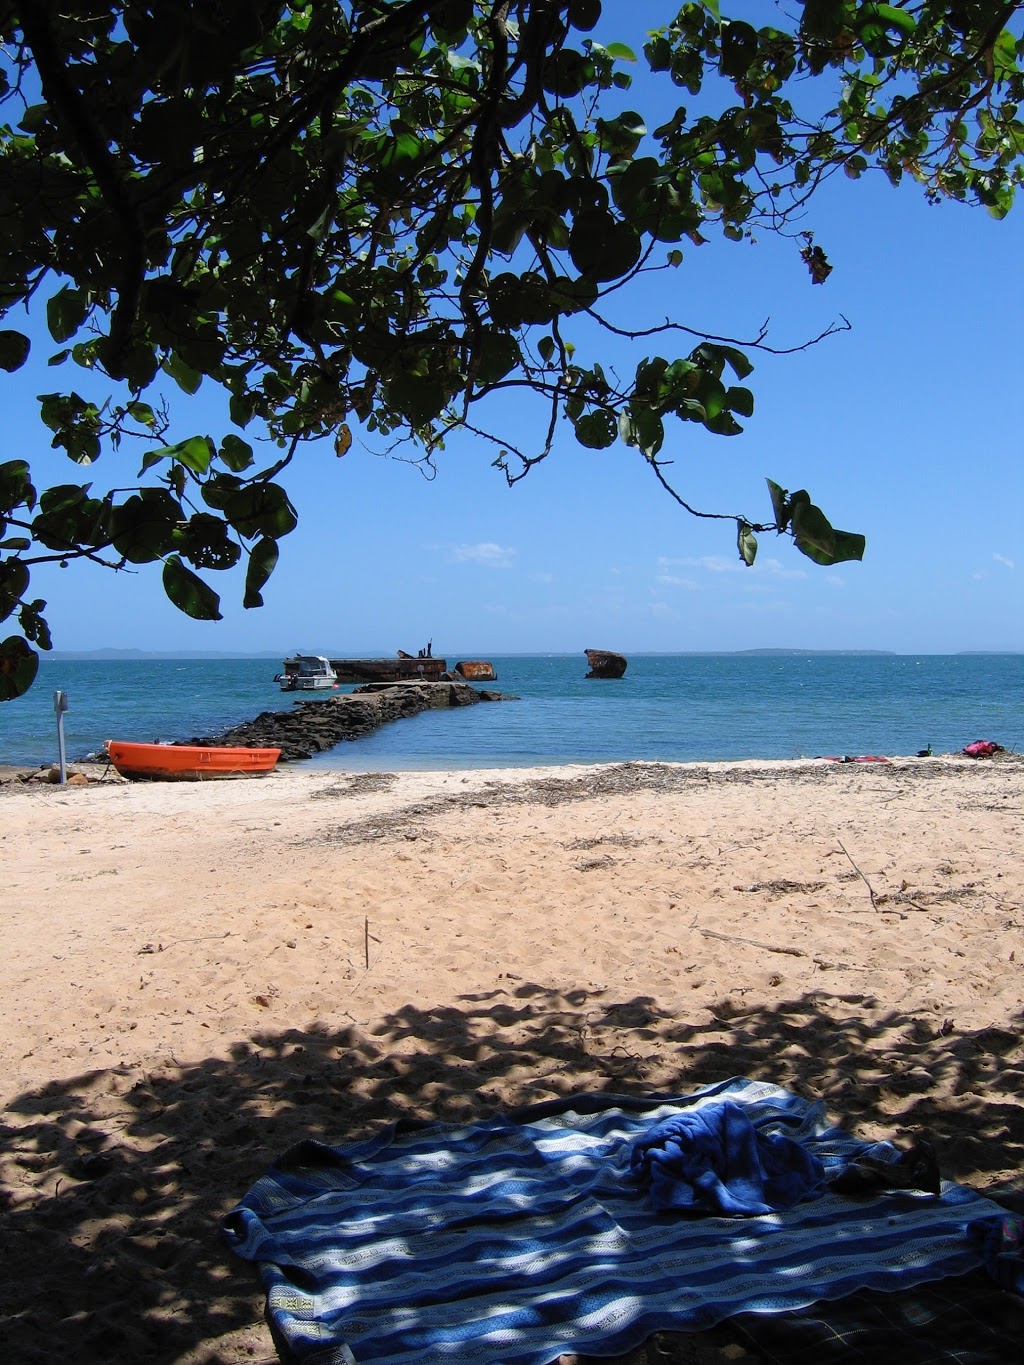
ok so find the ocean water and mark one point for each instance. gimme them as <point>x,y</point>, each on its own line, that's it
<point>673,708</point>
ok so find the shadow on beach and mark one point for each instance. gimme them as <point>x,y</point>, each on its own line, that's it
<point>114,1181</point>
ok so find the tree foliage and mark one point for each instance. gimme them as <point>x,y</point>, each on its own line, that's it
<point>387,212</point>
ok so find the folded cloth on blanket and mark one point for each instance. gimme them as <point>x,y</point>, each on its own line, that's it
<point>1001,1239</point>
<point>527,1235</point>
<point>715,1160</point>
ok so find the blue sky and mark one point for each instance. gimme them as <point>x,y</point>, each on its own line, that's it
<point>906,428</point>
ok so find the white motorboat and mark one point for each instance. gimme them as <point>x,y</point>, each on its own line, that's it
<point>307,673</point>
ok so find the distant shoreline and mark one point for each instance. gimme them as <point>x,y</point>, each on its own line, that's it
<point>141,655</point>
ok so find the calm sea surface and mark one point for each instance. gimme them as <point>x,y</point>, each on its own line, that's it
<point>667,707</point>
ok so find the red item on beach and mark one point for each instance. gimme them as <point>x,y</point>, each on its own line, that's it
<point>983,748</point>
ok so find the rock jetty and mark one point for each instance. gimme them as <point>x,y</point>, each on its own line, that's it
<point>311,727</point>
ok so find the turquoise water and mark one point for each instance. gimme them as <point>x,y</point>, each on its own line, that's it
<point>667,707</point>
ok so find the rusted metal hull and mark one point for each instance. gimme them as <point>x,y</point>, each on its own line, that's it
<point>604,664</point>
<point>400,669</point>
<point>476,670</point>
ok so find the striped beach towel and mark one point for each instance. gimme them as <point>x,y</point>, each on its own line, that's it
<point>527,1235</point>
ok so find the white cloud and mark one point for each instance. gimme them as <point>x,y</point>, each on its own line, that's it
<point>709,563</point>
<point>486,554</point>
<point>776,569</point>
<point>663,612</point>
<point>671,580</point>
<point>725,564</point>
<point>1001,559</point>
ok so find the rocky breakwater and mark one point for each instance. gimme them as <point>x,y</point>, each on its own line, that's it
<point>310,727</point>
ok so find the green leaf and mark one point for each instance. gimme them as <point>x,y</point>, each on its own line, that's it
<point>69,518</point>
<point>65,313</point>
<point>746,543</point>
<point>498,353</point>
<point>14,349</point>
<point>739,48</point>
<point>848,545</point>
<point>622,135</point>
<point>573,296</point>
<point>15,486</point>
<point>186,378</point>
<point>813,533</point>
<point>597,430</point>
<point>402,147</point>
<point>780,504</point>
<point>621,52</point>
<point>567,72</point>
<point>33,625</point>
<point>818,540</point>
<point>195,454</point>
<point>603,247</point>
<point>584,14</point>
<point>236,453</point>
<point>240,410</point>
<point>142,413</point>
<point>262,562</point>
<point>14,581</point>
<point>188,592</point>
<point>256,509</point>
<point>648,432</point>
<point>18,667</point>
<point>736,360</point>
<point>740,400</point>
<point>205,542</point>
<point>143,527</point>
<point>723,424</point>
<point>890,16</point>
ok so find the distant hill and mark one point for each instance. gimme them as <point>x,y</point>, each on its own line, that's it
<point>133,655</point>
<point>786,653</point>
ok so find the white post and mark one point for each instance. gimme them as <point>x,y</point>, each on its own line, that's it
<point>60,705</point>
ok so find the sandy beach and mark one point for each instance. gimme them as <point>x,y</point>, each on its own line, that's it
<point>196,976</point>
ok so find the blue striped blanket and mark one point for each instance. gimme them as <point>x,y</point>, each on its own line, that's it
<point>519,1238</point>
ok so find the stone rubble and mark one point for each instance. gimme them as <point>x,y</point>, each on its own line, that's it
<point>310,727</point>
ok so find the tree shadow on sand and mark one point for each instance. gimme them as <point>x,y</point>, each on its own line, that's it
<point>114,1181</point>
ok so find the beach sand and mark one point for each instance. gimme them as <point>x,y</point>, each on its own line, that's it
<point>196,976</point>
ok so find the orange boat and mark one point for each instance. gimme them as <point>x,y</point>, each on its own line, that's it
<point>187,762</point>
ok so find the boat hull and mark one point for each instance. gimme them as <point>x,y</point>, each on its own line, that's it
<point>605,664</point>
<point>187,762</point>
<point>291,683</point>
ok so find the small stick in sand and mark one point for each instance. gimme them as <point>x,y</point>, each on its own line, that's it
<point>750,942</point>
<point>864,879</point>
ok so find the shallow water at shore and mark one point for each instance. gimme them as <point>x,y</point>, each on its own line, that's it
<point>673,708</point>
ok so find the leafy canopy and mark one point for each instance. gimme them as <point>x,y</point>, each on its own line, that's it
<point>389,211</point>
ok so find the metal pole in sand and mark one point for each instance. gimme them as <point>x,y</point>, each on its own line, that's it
<point>60,705</point>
